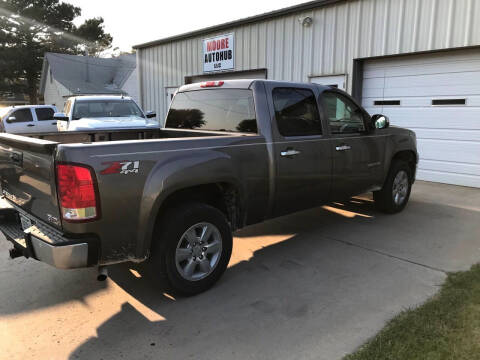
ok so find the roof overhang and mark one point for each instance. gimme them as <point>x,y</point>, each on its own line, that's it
<point>252,19</point>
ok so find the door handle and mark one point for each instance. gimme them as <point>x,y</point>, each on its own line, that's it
<point>290,152</point>
<point>54,123</point>
<point>16,158</point>
<point>343,147</point>
<point>30,125</point>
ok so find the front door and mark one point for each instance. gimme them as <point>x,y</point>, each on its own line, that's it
<point>20,122</point>
<point>302,153</point>
<point>357,154</point>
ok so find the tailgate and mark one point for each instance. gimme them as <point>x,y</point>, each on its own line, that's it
<point>27,175</point>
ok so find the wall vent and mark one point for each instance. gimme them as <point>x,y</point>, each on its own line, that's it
<point>446,102</point>
<point>386,102</point>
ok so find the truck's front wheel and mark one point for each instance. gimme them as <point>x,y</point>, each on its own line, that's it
<point>396,191</point>
<point>195,245</point>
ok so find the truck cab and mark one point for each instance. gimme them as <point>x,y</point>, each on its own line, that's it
<point>28,119</point>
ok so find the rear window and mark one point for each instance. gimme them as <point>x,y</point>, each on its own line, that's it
<point>105,108</point>
<point>230,110</point>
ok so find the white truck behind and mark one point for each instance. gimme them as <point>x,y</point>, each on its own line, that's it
<point>84,113</point>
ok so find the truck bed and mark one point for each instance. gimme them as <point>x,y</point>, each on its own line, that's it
<point>122,134</point>
<point>27,162</point>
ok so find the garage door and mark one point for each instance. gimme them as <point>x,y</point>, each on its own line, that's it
<point>437,96</point>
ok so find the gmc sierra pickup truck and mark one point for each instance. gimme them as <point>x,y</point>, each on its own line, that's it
<point>232,153</point>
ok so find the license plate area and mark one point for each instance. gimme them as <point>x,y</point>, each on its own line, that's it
<point>26,222</point>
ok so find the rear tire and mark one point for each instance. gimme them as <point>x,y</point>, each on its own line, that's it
<point>395,193</point>
<point>192,246</point>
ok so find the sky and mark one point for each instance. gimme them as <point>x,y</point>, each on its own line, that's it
<point>135,22</point>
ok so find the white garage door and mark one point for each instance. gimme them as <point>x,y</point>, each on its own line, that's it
<point>437,96</point>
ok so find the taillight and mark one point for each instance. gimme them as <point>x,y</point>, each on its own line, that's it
<point>211,84</point>
<point>76,193</point>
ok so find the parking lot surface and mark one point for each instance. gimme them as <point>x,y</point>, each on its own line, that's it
<point>313,285</point>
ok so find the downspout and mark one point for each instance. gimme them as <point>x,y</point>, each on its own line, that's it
<point>87,77</point>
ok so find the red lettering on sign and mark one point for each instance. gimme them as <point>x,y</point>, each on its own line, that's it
<point>218,44</point>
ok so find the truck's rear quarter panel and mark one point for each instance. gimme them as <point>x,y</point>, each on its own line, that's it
<point>130,201</point>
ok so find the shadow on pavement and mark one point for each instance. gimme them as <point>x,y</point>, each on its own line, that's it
<point>30,285</point>
<point>304,295</point>
<point>300,286</point>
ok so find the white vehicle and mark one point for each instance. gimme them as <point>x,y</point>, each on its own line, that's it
<point>84,113</point>
<point>27,119</point>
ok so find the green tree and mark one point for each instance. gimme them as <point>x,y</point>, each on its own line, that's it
<point>29,28</point>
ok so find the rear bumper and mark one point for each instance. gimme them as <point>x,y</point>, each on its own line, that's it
<point>46,244</point>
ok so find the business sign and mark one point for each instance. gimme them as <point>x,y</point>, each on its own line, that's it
<point>218,53</point>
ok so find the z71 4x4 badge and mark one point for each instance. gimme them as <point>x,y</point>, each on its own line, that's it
<point>121,167</point>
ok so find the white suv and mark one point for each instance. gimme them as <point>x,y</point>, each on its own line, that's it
<point>26,119</point>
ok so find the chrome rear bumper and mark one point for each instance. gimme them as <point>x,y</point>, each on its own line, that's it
<point>62,257</point>
<point>45,244</point>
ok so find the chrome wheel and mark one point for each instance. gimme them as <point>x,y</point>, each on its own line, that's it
<point>198,251</point>
<point>400,187</point>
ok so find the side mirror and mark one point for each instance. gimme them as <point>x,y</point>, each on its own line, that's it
<point>150,114</point>
<point>380,121</point>
<point>11,119</point>
<point>60,117</point>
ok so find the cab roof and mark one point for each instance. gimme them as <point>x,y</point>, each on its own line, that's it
<point>100,97</point>
<point>239,84</point>
<point>8,108</point>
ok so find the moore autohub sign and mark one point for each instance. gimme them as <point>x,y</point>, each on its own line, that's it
<point>218,53</point>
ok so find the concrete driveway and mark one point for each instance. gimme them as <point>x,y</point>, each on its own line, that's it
<point>314,285</point>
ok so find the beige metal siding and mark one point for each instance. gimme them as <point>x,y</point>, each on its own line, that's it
<point>339,34</point>
<point>55,93</point>
<point>130,85</point>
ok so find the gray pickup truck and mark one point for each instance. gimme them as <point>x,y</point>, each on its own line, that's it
<point>233,153</point>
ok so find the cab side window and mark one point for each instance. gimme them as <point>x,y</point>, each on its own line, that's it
<point>20,115</point>
<point>44,114</point>
<point>296,112</point>
<point>344,117</point>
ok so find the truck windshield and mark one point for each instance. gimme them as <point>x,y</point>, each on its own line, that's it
<point>229,110</point>
<point>106,108</point>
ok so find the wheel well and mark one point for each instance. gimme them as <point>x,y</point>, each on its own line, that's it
<point>407,156</point>
<point>222,196</point>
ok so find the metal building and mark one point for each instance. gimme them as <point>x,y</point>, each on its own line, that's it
<point>417,61</point>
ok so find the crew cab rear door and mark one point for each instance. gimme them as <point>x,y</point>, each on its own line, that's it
<point>44,119</point>
<point>302,153</point>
